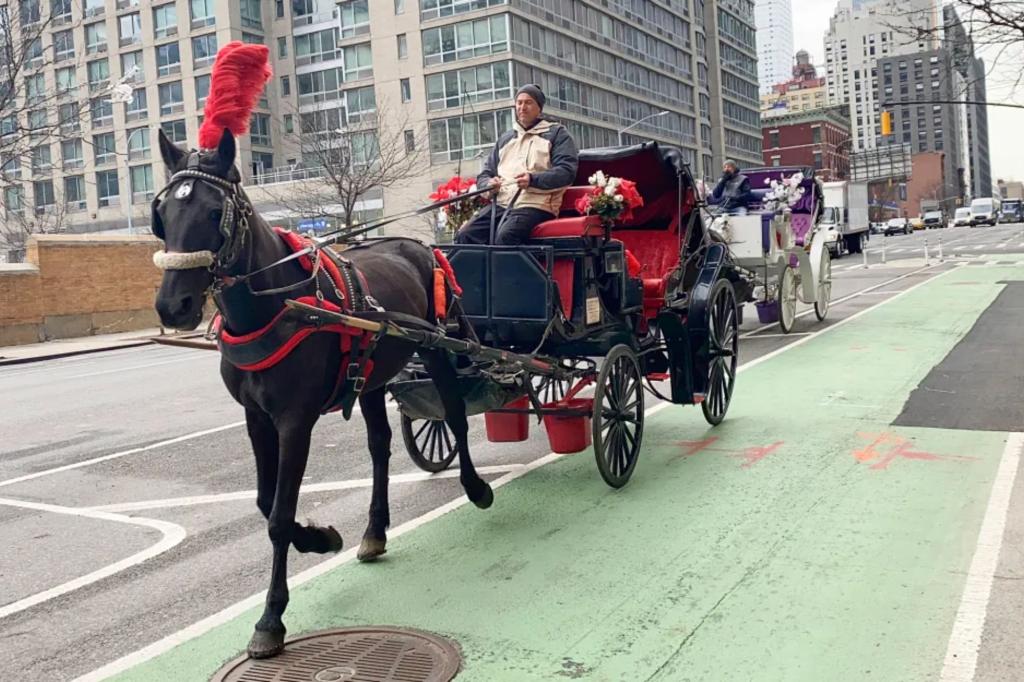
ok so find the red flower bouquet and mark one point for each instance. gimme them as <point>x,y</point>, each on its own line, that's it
<point>611,199</point>
<point>458,212</point>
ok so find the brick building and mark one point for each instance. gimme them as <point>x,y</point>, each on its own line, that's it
<point>805,90</point>
<point>819,138</point>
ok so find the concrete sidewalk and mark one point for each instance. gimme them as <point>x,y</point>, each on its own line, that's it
<point>58,348</point>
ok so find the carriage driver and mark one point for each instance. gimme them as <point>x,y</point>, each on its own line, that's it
<point>733,191</point>
<point>538,157</point>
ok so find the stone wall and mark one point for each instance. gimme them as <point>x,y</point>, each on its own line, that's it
<point>78,285</point>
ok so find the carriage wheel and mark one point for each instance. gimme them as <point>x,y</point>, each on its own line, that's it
<point>429,442</point>
<point>787,298</point>
<point>618,421</point>
<point>823,296</point>
<point>723,342</point>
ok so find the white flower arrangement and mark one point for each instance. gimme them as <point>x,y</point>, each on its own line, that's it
<point>784,194</point>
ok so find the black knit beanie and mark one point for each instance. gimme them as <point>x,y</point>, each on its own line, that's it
<point>534,92</point>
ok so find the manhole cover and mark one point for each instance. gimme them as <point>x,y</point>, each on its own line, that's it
<point>377,654</point>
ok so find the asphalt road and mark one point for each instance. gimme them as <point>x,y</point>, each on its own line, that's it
<point>956,242</point>
<point>124,477</point>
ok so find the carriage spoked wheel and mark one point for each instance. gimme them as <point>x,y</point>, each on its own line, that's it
<point>723,344</point>
<point>787,298</point>
<point>429,442</point>
<point>823,295</point>
<point>618,421</point>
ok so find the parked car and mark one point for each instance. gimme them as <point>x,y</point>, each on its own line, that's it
<point>934,219</point>
<point>963,217</point>
<point>897,226</point>
<point>1012,211</point>
<point>877,228</point>
<point>917,223</point>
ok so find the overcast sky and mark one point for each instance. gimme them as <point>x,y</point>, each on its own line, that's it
<point>810,22</point>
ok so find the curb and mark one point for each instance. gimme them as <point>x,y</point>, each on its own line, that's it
<point>70,353</point>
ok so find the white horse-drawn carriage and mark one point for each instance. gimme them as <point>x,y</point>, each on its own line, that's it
<point>778,242</point>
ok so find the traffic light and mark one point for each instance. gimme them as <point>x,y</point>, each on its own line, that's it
<point>886,123</point>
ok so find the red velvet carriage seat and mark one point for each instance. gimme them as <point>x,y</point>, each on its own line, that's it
<point>654,247</point>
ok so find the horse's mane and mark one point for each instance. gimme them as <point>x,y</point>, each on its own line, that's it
<point>239,74</point>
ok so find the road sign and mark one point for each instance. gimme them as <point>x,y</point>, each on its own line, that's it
<point>313,225</point>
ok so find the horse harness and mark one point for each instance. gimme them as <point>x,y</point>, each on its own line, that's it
<point>265,347</point>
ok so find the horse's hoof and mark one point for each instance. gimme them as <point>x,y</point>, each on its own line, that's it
<point>333,538</point>
<point>370,549</point>
<point>486,499</point>
<point>266,644</point>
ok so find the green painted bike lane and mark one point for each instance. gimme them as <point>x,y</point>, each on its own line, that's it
<point>803,539</point>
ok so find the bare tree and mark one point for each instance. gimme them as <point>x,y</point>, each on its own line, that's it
<point>35,109</point>
<point>349,156</point>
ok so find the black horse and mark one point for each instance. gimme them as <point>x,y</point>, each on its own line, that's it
<point>213,239</point>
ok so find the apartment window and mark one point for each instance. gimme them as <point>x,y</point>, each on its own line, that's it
<point>466,137</point>
<point>250,13</point>
<point>101,111</point>
<point>96,38</point>
<point>63,45</point>
<point>358,62</point>
<point>317,47</point>
<point>261,163</point>
<point>10,169</point>
<point>410,141</point>
<point>138,144</point>
<point>279,9</point>
<point>74,192</point>
<point>289,123</point>
<point>35,88</point>
<point>319,86</point>
<point>817,161</point>
<point>125,4</point>
<point>129,61</point>
<point>103,148</point>
<point>130,28</point>
<point>141,178</point>
<point>202,89</point>
<point>174,130</point>
<point>41,159</point>
<point>71,154</point>
<point>465,40</point>
<point>253,38</point>
<point>138,108</point>
<point>60,12</point>
<point>399,6</point>
<point>432,9</point>
<point>42,192</point>
<point>93,7</point>
<point>286,86</point>
<point>282,47</point>
<point>202,13</point>
<point>165,21</point>
<point>259,129</point>
<point>168,59</point>
<point>355,18</point>
<point>30,12</point>
<point>361,104</point>
<point>106,188</point>
<point>171,99</point>
<point>406,90</point>
<point>99,74</point>
<point>403,46</point>
<point>204,50</point>
<point>66,80</point>
<point>773,139</point>
<point>69,116</point>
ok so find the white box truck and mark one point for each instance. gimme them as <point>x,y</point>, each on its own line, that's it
<point>845,217</point>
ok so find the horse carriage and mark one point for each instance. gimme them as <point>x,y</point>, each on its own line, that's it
<point>781,250</point>
<point>653,295</point>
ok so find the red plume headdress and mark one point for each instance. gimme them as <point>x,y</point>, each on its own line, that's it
<point>239,74</point>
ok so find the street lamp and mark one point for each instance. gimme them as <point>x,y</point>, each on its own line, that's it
<point>633,125</point>
<point>123,92</point>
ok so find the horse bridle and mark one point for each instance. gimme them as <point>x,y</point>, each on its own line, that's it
<point>235,233</point>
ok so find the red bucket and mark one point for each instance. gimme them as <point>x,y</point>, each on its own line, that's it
<point>503,427</point>
<point>569,433</point>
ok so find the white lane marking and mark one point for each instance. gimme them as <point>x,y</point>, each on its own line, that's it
<point>969,624</point>
<point>123,453</point>
<point>879,293</point>
<point>978,247</point>
<point>328,486</point>
<point>135,367</point>
<point>837,301</point>
<point>172,535</point>
<point>227,614</point>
